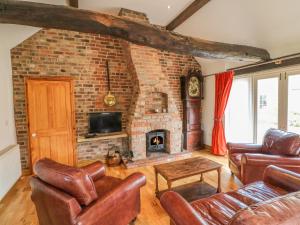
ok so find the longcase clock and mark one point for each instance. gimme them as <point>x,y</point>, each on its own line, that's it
<point>191,93</point>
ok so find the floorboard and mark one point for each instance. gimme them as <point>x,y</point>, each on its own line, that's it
<point>17,209</point>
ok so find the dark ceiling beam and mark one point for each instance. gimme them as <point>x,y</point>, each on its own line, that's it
<point>68,18</point>
<point>187,13</point>
<point>73,3</point>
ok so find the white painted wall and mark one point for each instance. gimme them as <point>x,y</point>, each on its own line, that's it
<point>10,36</point>
<point>10,164</point>
<point>7,125</point>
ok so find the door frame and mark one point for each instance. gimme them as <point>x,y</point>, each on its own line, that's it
<point>73,119</point>
<point>287,75</point>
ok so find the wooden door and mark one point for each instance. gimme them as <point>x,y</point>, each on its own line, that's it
<point>50,118</point>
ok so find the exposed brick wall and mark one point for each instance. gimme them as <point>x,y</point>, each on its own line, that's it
<point>82,56</point>
<point>98,149</point>
<point>174,66</point>
<point>53,52</point>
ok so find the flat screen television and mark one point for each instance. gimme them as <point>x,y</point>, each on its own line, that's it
<point>105,122</point>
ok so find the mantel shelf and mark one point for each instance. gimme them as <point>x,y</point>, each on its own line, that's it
<point>107,136</point>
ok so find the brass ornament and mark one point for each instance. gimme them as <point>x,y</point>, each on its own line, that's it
<point>109,99</point>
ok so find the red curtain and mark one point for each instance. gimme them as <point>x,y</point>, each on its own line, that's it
<point>223,87</point>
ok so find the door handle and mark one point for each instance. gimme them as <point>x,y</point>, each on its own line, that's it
<point>33,135</point>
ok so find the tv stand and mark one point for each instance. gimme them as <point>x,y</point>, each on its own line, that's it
<point>104,136</point>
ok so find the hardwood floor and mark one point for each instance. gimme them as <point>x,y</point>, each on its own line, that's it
<point>17,209</point>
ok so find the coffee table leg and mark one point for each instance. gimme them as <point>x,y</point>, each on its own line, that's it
<point>201,178</point>
<point>169,185</point>
<point>219,180</point>
<point>156,183</point>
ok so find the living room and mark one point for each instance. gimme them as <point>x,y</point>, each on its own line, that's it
<point>142,112</point>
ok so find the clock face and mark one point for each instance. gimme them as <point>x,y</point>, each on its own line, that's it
<point>194,87</point>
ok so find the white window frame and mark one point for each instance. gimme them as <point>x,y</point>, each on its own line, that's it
<point>283,74</point>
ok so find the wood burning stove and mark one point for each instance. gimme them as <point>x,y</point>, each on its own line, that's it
<point>156,141</point>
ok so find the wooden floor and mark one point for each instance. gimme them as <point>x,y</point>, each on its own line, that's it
<point>17,209</point>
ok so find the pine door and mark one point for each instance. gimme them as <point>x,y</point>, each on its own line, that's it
<point>50,118</point>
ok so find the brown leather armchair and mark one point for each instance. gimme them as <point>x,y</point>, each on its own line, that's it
<point>273,201</point>
<point>65,195</point>
<point>248,161</point>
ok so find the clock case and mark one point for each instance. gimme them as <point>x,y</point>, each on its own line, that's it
<point>192,133</point>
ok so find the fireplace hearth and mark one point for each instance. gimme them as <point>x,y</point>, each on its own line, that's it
<point>156,141</point>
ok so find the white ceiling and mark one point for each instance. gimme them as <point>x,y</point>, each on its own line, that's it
<point>270,24</point>
<point>156,10</point>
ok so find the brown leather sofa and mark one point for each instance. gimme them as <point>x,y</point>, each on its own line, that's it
<point>65,195</point>
<point>280,148</point>
<point>273,201</point>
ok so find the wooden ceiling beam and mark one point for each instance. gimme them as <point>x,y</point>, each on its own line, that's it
<point>68,18</point>
<point>187,13</point>
<point>73,3</point>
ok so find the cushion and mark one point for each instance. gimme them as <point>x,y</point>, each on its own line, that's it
<point>283,210</point>
<point>73,181</point>
<point>256,192</point>
<point>277,142</point>
<point>218,209</point>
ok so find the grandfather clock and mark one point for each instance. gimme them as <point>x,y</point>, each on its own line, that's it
<point>191,93</point>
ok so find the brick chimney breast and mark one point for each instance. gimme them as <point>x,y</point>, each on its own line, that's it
<point>134,15</point>
<point>153,102</point>
<point>151,92</point>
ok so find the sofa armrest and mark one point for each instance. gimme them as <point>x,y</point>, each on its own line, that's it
<point>179,210</point>
<point>243,148</point>
<point>282,178</point>
<point>253,165</point>
<point>107,203</point>
<point>95,170</point>
<point>264,159</point>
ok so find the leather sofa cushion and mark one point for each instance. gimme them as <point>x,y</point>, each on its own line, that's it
<point>218,209</point>
<point>277,142</point>
<point>257,192</point>
<point>73,181</point>
<point>221,208</point>
<point>283,210</point>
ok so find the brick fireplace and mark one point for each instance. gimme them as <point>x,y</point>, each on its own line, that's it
<point>153,105</point>
<point>157,141</point>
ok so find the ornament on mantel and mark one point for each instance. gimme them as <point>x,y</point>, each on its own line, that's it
<point>109,99</point>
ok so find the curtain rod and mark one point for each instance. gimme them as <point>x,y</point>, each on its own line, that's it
<point>275,60</point>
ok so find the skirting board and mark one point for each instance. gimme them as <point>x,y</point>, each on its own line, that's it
<point>207,147</point>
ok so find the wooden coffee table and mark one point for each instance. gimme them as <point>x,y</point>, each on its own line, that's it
<point>186,168</point>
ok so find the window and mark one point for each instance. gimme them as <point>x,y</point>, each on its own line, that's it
<point>261,101</point>
<point>266,113</point>
<point>238,115</point>
<point>293,96</point>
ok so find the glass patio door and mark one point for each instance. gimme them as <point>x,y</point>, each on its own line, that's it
<point>293,103</point>
<point>266,104</point>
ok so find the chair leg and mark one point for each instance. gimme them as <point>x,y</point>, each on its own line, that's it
<point>132,222</point>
